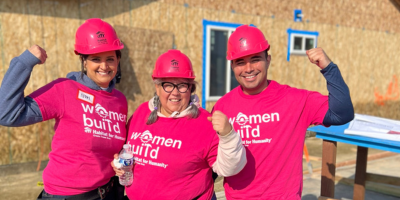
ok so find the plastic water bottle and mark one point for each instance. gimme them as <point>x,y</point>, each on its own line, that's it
<point>126,160</point>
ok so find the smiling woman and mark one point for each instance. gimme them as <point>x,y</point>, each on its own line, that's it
<point>175,145</point>
<point>101,67</point>
<point>89,114</point>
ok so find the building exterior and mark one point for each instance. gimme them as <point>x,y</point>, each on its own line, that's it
<point>361,36</point>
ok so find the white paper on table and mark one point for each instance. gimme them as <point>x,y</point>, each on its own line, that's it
<point>375,127</point>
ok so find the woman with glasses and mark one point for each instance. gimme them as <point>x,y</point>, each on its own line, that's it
<point>174,144</point>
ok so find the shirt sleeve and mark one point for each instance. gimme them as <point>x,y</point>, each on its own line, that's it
<point>231,157</point>
<point>315,108</point>
<point>50,99</point>
<point>15,110</point>
<point>341,108</point>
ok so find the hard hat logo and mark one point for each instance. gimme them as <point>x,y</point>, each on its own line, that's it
<point>174,62</point>
<point>243,43</point>
<point>101,40</point>
<point>100,34</point>
<point>174,65</point>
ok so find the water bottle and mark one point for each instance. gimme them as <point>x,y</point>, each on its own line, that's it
<point>126,160</point>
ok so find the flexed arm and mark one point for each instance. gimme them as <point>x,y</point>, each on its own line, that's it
<point>15,110</point>
<point>341,108</point>
<point>231,157</point>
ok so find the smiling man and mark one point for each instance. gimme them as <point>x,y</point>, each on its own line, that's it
<point>272,118</point>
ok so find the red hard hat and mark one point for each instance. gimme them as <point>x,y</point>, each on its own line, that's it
<point>96,36</point>
<point>244,41</point>
<point>173,64</point>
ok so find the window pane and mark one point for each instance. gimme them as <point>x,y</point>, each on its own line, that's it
<point>298,43</point>
<point>309,43</point>
<point>218,62</point>
<point>234,82</point>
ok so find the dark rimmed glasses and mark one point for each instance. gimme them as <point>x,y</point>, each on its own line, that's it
<point>169,87</point>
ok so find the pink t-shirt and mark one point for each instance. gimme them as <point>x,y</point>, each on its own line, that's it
<point>272,125</point>
<point>89,130</point>
<point>173,156</point>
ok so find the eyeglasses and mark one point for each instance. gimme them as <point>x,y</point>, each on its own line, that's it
<point>169,87</point>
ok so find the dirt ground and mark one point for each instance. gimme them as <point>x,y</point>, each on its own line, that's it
<point>344,152</point>
<point>20,182</point>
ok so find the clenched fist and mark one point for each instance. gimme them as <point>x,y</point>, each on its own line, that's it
<point>220,123</point>
<point>318,57</point>
<point>39,53</point>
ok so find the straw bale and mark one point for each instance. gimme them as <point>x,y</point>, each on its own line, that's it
<point>66,26</point>
<point>4,146</point>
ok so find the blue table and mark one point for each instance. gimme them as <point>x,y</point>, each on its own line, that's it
<point>335,134</point>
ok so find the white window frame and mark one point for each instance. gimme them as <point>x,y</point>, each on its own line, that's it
<point>302,51</point>
<point>207,27</point>
<point>228,65</point>
<point>300,33</point>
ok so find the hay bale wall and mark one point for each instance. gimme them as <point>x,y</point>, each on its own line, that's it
<point>362,37</point>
